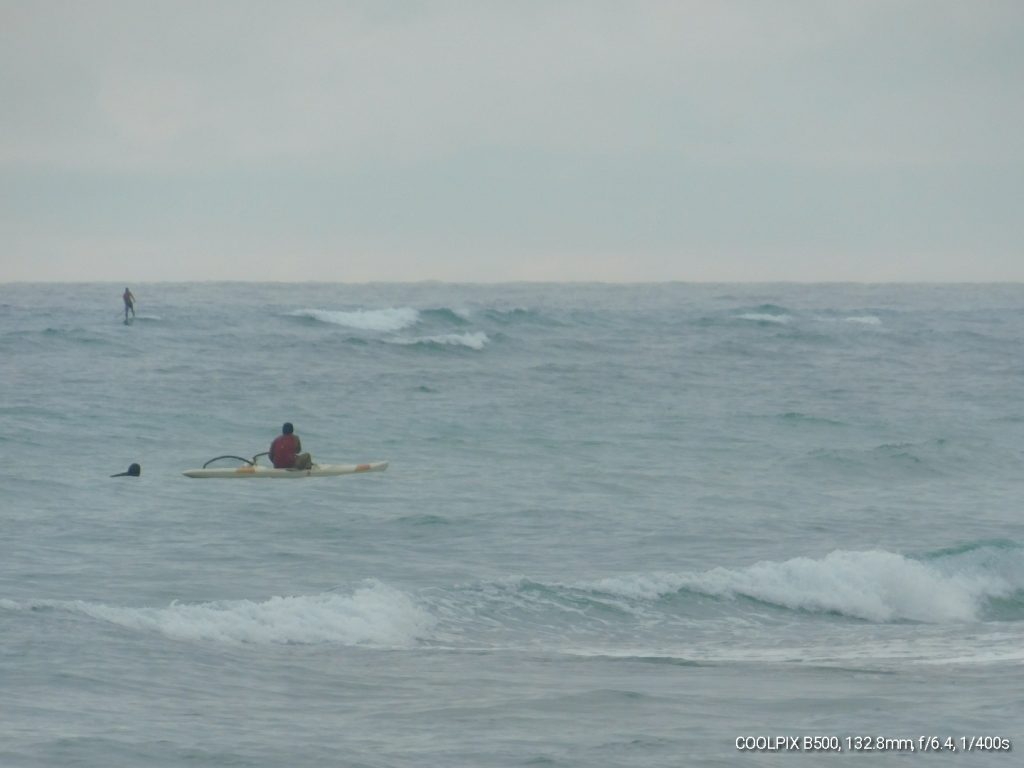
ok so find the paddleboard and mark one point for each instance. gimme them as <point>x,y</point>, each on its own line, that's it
<point>255,470</point>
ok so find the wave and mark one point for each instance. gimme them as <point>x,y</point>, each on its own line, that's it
<point>435,320</point>
<point>796,417</point>
<point>764,319</point>
<point>772,314</point>
<point>645,614</point>
<point>907,461</point>
<point>765,314</point>
<point>446,315</point>
<point>875,586</point>
<point>838,317</point>
<point>986,547</point>
<point>385,320</point>
<point>770,309</point>
<point>476,340</point>
<point>518,315</point>
<point>82,336</point>
<point>374,614</point>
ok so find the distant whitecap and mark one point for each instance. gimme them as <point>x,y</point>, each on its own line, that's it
<point>385,320</point>
<point>476,340</point>
<point>758,317</point>
<point>864,320</point>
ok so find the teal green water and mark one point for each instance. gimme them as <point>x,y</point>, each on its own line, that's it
<point>622,525</point>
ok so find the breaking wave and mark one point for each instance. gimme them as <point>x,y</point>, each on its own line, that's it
<point>975,582</point>
<point>979,582</point>
<point>476,340</point>
<point>385,320</point>
<point>761,318</point>
<point>374,614</point>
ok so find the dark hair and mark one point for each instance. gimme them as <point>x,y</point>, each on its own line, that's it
<point>287,428</point>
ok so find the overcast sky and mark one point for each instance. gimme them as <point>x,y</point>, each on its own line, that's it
<point>520,140</point>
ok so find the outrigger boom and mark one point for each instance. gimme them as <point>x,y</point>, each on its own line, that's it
<point>250,468</point>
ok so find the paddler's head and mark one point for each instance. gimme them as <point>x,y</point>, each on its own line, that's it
<point>287,429</point>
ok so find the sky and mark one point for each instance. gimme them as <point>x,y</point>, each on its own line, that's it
<point>539,140</point>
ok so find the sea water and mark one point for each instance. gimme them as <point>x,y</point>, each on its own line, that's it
<point>621,526</point>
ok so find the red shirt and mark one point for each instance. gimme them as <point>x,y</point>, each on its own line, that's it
<point>283,450</point>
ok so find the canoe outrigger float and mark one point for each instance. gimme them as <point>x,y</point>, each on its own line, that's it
<point>250,468</point>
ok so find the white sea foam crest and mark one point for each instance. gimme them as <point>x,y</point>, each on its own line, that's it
<point>393,319</point>
<point>475,340</point>
<point>374,614</point>
<point>759,317</point>
<point>877,586</point>
<point>865,320</point>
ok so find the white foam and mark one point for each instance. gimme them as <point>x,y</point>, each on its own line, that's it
<point>374,614</point>
<point>476,340</point>
<point>393,319</point>
<point>877,586</point>
<point>864,320</point>
<point>639,586</point>
<point>758,317</point>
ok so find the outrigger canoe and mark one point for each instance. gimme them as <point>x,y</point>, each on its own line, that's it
<point>250,468</point>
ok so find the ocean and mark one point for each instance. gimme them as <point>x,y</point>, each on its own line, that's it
<point>622,525</point>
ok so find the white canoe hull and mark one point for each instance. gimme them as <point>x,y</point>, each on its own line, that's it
<point>317,470</point>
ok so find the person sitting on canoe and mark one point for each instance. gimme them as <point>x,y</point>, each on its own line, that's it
<point>285,451</point>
